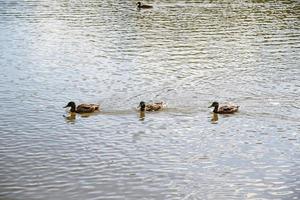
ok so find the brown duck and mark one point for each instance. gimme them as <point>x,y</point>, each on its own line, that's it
<point>151,106</point>
<point>82,108</point>
<point>140,5</point>
<point>225,109</point>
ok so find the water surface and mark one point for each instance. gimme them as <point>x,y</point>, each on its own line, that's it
<point>186,53</point>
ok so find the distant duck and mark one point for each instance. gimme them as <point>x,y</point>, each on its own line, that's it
<point>225,109</point>
<point>140,5</point>
<point>82,108</point>
<point>151,106</point>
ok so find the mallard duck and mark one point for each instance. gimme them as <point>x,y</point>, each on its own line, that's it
<point>140,5</point>
<point>225,109</point>
<point>82,108</point>
<point>151,107</point>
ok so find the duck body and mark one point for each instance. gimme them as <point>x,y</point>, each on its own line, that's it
<point>143,6</point>
<point>151,106</point>
<point>225,109</point>
<point>82,108</point>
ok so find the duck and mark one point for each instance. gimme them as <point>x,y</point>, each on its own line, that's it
<point>151,106</point>
<point>140,5</point>
<point>225,109</point>
<point>82,108</point>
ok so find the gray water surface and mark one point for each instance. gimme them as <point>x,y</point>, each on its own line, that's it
<point>186,53</point>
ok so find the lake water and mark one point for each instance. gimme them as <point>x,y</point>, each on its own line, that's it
<point>186,53</point>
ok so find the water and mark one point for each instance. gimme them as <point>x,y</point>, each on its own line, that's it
<point>186,53</point>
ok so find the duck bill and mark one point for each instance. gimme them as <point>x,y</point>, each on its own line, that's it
<point>65,106</point>
<point>210,106</point>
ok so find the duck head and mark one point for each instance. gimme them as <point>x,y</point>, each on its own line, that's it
<point>72,105</point>
<point>214,104</point>
<point>142,106</point>
<point>138,4</point>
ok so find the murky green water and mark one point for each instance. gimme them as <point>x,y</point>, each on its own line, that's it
<point>186,53</point>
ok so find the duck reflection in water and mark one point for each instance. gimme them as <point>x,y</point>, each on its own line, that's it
<point>214,118</point>
<point>142,116</point>
<point>70,118</point>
